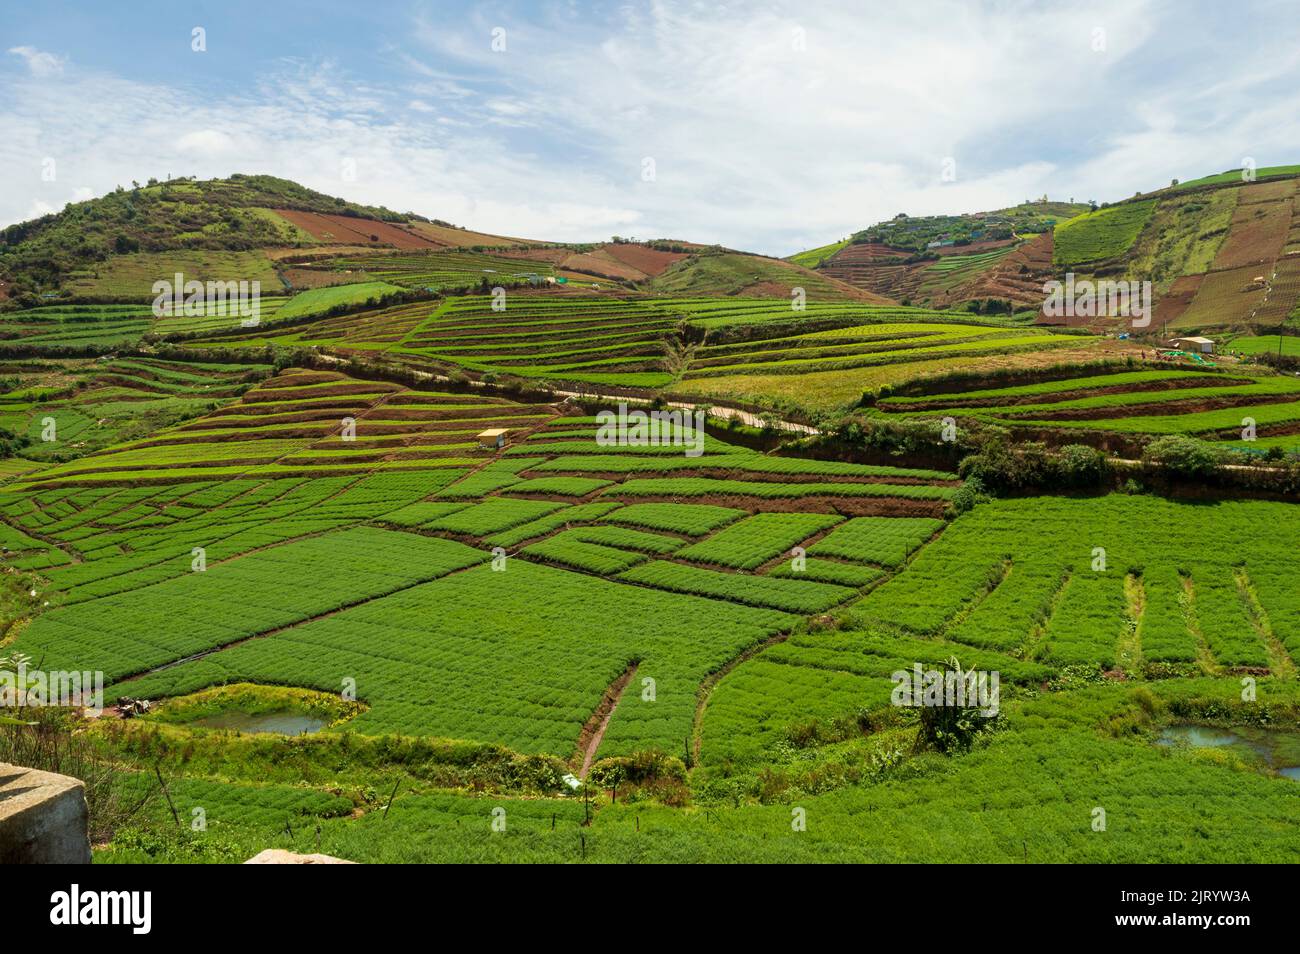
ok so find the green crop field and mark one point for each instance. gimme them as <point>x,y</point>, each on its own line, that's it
<point>593,548</point>
<point>815,256</point>
<point>1194,402</point>
<point>434,270</point>
<point>1100,235</point>
<point>1233,176</point>
<point>1267,344</point>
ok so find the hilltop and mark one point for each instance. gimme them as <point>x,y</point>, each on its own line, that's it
<point>946,260</point>
<point>217,221</point>
<point>289,237</point>
<point>1222,252</point>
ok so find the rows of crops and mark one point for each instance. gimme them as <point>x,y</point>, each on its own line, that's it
<point>1003,580</point>
<point>1099,235</point>
<point>653,342</point>
<point>1007,802</point>
<point>60,327</point>
<point>679,587</point>
<point>437,270</point>
<point>1136,402</point>
<point>317,422</point>
<point>85,406</point>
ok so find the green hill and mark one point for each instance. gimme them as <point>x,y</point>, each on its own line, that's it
<point>232,215</point>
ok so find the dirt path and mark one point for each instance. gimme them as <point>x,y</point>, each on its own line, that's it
<point>1280,662</point>
<point>715,410</point>
<point>710,681</point>
<point>594,731</point>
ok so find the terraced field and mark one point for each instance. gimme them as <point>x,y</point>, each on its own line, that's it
<point>1205,404</point>
<point>81,407</point>
<point>866,345</point>
<point>133,276</point>
<point>438,269</point>
<point>1019,592</point>
<point>605,341</point>
<point>62,327</point>
<point>577,603</point>
<point>1100,235</point>
<point>305,423</point>
<point>404,519</point>
<point>562,647</point>
<point>653,342</point>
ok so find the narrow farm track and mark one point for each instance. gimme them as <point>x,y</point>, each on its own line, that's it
<point>1204,655</point>
<point>1128,652</point>
<point>593,732</point>
<point>1279,660</point>
<point>711,681</point>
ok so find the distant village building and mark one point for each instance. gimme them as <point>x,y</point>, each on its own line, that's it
<point>493,438</point>
<point>1195,343</point>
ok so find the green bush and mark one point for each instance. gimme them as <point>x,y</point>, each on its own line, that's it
<point>1185,456</point>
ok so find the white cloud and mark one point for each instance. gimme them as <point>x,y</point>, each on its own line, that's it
<point>757,144</point>
<point>109,130</point>
<point>39,62</point>
<point>205,142</point>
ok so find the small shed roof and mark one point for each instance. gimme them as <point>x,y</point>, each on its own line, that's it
<point>1197,339</point>
<point>493,433</point>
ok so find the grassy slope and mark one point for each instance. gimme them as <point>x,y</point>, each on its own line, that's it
<point>1235,176</point>
<point>735,273</point>
<point>814,256</point>
<point>318,300</point>
<point>133,276</point>
<point>1100,235</point>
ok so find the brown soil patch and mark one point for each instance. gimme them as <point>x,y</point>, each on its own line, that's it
<point>1257,233</point>
<point>316,251</point>
<point>1227,297</point>
<point>1283,292</point>
<point>1174,302</point>
<point>593,731</point>
<point>1066,394</point>
<point>460,238</point>
<point>1018,276</point>
<point>603,266</point>
<point>649,261</point>
<point>316,277</point>
<point>1188,406</point>
<point>347,229</point>
<point>552,255</point>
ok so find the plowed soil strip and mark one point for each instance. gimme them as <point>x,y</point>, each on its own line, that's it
<point>594,731</point>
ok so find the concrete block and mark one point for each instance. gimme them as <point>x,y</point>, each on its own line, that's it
<point>43,818</point>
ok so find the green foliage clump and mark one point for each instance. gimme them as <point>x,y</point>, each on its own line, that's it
<point>1184,456</point>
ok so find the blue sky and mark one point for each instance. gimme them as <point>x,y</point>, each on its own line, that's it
<point>771,126</point>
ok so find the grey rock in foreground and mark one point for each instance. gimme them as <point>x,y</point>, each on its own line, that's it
<point>43,818</point>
